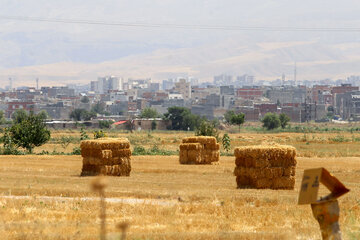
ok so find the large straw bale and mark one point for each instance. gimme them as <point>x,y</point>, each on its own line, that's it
<point>123,169</point>
<point>270,155</point>
<point>106,143</point>
<point>289,171</point>
<point>258,172</point>
<point>183,159</point>
<point>199,150</point>
<point>190,146</point>
<point>243,181</point>
<point>283,183</point>
<point>207,141</point>
<point>252,162</point>
<point>194,157</point>
<point>106,156</point>
<point>265,166</point>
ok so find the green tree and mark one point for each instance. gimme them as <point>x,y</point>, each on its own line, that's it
<point>2,117</point>
<point>85,99</point>
<point>79,114</point>
<point>238,119</point>
<point>9,146</point>
<point>43,115</point>
<point>284,120</point>
<point>30,132</point>
<point>105,123</point>
<point>76,114</point>
<point>19,115</point>
<point>153,125</point>
<point>149,113</point>
<point>226,142</point>
<point>207,129</point>
<point>87,116</point>
<point>271,121</point>
<point>99,108</point>
<point>228,116</point>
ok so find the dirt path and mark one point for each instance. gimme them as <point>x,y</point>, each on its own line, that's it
<point>132,201</point>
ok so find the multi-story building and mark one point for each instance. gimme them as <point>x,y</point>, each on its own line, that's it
<point>104,84</point>
<point>184,88</point>
<point>347,105</point>
<point>249,93</point>
<point>223,79</point>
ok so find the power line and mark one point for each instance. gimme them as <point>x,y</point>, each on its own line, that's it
<point>184,26</point>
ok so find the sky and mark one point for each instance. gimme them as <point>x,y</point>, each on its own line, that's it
<point>187,37</point>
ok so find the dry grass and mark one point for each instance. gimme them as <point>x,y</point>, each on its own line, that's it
<point>207,203</point>
<point>322,144</point>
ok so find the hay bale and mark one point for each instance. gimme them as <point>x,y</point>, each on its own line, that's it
<point>270,155</point>
<point>199,150</point>
<point>283,183</point>
<point>258,172</point>
<point>289,171</point>
<point>190,153</point>
<point>265,166</point>
<point>106,156</point>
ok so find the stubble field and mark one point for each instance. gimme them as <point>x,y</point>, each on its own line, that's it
<point>43,197</point>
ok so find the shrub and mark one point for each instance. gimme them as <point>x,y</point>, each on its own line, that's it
<point>226,142</point>
<point>271,121</point>
<point>105,123</point>
<point>139,150</point>
<point>99,134</point>
<point>284,120</point>
<point>83,135</point>
<point>207,129</point>
<point>76,151</point>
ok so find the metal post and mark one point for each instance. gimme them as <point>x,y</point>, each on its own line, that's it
<point>327,214</point>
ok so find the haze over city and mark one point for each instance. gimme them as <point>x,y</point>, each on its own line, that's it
<point>76,41</point>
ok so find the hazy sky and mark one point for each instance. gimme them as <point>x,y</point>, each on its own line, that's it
<point>32,43</point>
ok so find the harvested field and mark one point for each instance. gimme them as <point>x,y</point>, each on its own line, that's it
<point>204,201</point>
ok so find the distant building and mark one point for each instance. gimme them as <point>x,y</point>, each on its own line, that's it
<point>12,106</point>
<point>184,88</point>
<point>223,79</point>
<point>227,90</point>
<point>347,105</point>
<point>168,84</point>
<point>245,80</point>
<point>249,93</point>
<point>104,84</point>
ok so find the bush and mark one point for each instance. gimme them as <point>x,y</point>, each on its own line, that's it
<point>271,121</point>
<point>155,150</point>
<point>139,150</point>
<point>207,129</point>
<point>226,142</point>
<point>76,151</point>
<point>284,120</point>
<point>83,135</point>
<point>99,134</point>
<point>105,123</point>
